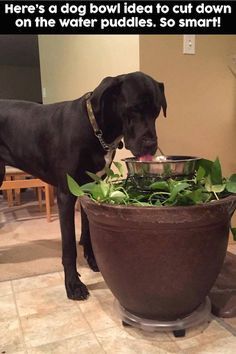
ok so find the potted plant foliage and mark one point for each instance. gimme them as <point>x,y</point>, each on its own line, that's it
<point>160,251</point>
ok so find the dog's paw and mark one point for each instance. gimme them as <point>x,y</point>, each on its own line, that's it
<point>75,289</point>
<point>92,263</point>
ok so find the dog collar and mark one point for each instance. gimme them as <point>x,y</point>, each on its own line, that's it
<point>97,131</point>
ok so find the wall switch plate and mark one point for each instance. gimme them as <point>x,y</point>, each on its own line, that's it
<point>189,44</point>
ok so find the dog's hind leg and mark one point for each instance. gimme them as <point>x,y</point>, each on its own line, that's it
<point>85,241</point>
<point>75,289</point>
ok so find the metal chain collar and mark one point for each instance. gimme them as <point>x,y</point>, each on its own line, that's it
<point>97,131</point>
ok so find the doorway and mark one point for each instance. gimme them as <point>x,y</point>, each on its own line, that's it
<point>20,68</point>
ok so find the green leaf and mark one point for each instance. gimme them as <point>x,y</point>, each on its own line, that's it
<point>205,164</point>
<point>233,230</point>
<point>109,172</point>
<point>140,196</point>
<point>74,188</point>
<point>231,187</point>
<point>97,192</point>
<point>137,203</point>
<point>178,187</point>
<point>233,178</point>
<point>117,196</point>
<point>158,203</point>
<point>88,187</point>
<point>159,185</point>
<point>196,196</point>
<point>216,188</point>
<point>208,184</point>
<point>119,167</point>
<point>231,184</point>
<point>216,172</point>
<point>94,176</point>
<point>104,188</point>
<point>201,172</point>
<point>182,199</point>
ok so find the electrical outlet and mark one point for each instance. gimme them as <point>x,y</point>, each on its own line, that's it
<point>189,44</point>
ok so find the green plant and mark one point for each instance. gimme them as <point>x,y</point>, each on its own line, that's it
<point>206,185</point>
<point>102,190</point>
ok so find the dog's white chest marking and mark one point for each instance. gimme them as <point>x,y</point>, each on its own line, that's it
<point>108,161</point>
<point>108,158</point>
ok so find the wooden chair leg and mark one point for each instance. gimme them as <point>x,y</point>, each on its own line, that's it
<point>9,193</point>
<point>17,191</point>
<point>39,192</point>
<point>51,191</point>
<point>47,202</point>
<point>12,182</point>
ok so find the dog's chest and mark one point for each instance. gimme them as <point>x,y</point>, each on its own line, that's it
<point>108,157</point>
<point>107,162</point>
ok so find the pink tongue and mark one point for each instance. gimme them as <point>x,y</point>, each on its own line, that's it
<point>145,158</point>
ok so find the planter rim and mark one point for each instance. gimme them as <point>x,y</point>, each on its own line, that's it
<point>174,208</point>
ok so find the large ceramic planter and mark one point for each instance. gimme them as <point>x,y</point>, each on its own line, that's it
<point>160,262</point>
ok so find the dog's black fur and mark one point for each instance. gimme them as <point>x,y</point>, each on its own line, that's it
<point>49,141</point>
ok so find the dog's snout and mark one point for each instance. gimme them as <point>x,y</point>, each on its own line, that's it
<point>149,146</point>
<point>149,143</point>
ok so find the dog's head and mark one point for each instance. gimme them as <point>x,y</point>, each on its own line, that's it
<point>131,103</point>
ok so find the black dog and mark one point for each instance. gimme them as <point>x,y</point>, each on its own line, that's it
<point>49,141</point>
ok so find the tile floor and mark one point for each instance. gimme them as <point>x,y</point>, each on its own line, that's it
<point>36,317</point>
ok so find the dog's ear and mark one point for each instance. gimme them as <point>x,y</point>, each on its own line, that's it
<point>162,98</point>
<point>108,86</point>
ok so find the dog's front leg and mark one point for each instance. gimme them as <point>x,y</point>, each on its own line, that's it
<point>85,241</point>
<point>75,289</point>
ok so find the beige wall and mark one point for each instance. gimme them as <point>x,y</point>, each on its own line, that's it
<point>200,90</point>
<point>73,65</point>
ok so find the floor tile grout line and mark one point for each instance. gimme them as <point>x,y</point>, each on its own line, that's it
<point>18,317</point>
<point>7,293</point>
<point>104,329</point>
<point>133,338</point>
<point>90,327</point>
<point>33,276</point>
<point>39,289</point>
<point>26,348</point>
<point>226,326</point>
<point>58,341</point>
<point>94,333</point>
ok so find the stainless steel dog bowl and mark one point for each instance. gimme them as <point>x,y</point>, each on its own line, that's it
<point>173,166</point>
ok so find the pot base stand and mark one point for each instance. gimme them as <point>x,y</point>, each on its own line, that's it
<point>178,327</point>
